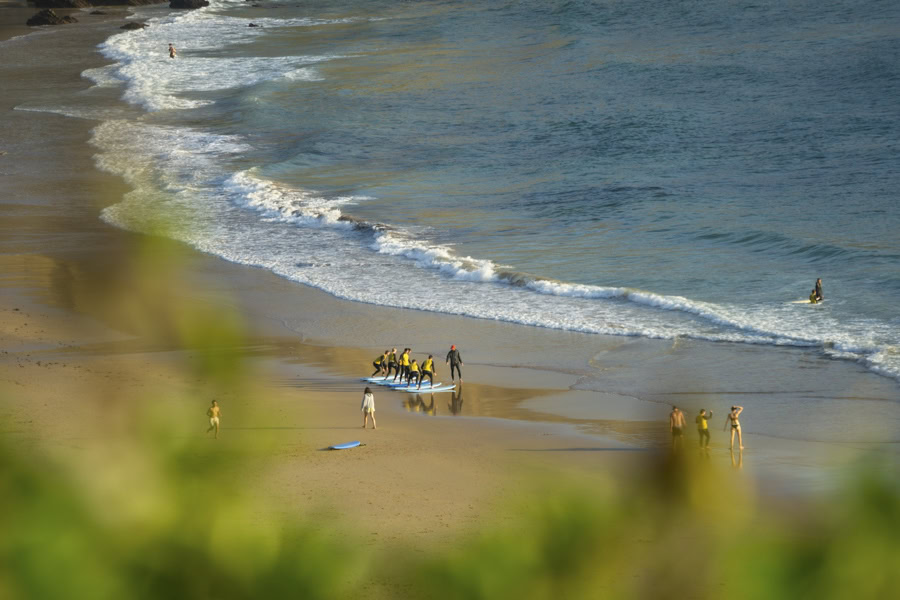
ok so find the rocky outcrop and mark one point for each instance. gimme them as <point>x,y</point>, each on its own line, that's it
<point>98,12</point>
<point>89,3</point>
<point>48,17</point>
<point>188,4</point>
<point>62,3</point>
<point>133,26</point>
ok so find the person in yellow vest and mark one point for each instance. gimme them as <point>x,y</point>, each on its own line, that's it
<point>380,364</point>
<point>427,370</point>
<point>703,427</point>
<point>813,297</point>
<point>392,363</point>
<point>403,371</point>
<point>413,375</point>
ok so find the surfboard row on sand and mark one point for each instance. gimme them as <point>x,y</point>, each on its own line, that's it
<point>403,387</point>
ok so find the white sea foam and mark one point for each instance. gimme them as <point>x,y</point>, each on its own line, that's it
<point>156,82</point>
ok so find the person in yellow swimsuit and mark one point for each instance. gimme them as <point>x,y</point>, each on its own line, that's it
<point>427,370</point>
<point>703,427</point>
<point>213,414</point>
<point>413,375</point>
<point>404,366</point>
<point>380,364</point>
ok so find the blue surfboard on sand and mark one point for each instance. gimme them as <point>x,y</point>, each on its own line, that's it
<point>441,388</point>
<point>403,386</point>
<point>344,446</point>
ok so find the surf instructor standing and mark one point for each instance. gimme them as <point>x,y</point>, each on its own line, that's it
<point>455,362</point>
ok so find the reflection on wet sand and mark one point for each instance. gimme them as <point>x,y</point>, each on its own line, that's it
<point>455,403</point>
<point>737,462</point>
<point>418,404</point>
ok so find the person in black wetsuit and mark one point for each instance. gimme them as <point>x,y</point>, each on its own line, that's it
<point>819,295</point>
<point>455,362</point>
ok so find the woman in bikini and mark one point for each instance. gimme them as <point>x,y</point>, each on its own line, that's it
<point>735,425</point>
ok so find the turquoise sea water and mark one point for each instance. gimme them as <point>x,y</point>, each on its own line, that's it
<point>676,170</point>
<point>621,167</point>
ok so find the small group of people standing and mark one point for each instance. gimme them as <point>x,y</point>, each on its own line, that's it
<point>677,423</point>
<point>410,371</point>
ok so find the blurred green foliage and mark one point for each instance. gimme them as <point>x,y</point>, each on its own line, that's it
<point>646,539</point>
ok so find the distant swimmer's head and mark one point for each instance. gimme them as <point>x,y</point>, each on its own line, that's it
<point>453,347</point>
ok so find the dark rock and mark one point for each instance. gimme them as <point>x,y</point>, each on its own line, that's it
<point>62,3</point>
<point>252,25</point>
<point>48,17</point>
<point>98,12</point>
<point>133,25</point>
<point>188,4</point>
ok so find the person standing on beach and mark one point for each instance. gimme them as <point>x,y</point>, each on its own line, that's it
<point>403,370</point>
<point>427,371</point>
<point>819,295</point>
<point>676,425</point>
<point>455,362</point>
<point>392,363</point>
<point>735,425</point>
<point>703,427</point>
<point>368,408</point>
<point>171,51</point>
<point>213,414</point>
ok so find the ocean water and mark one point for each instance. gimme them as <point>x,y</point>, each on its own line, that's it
<point>666,170</point>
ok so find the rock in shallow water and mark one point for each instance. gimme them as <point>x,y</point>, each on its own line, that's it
<point>189,4</point>
<point>49,17</point>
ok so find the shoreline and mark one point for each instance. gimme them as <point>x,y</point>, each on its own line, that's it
<point>88,258</point>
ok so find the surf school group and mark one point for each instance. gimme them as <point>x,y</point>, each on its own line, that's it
<point>411,374</point>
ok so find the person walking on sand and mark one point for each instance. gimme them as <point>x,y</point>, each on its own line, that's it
<point>427,371</point>
<point>213,414</point>
<point>735,425</point>
<point>676,425</point>
<point>455,362</point>
<point>703,427</point>
<point>171,51</point>
<point>368,408</point>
